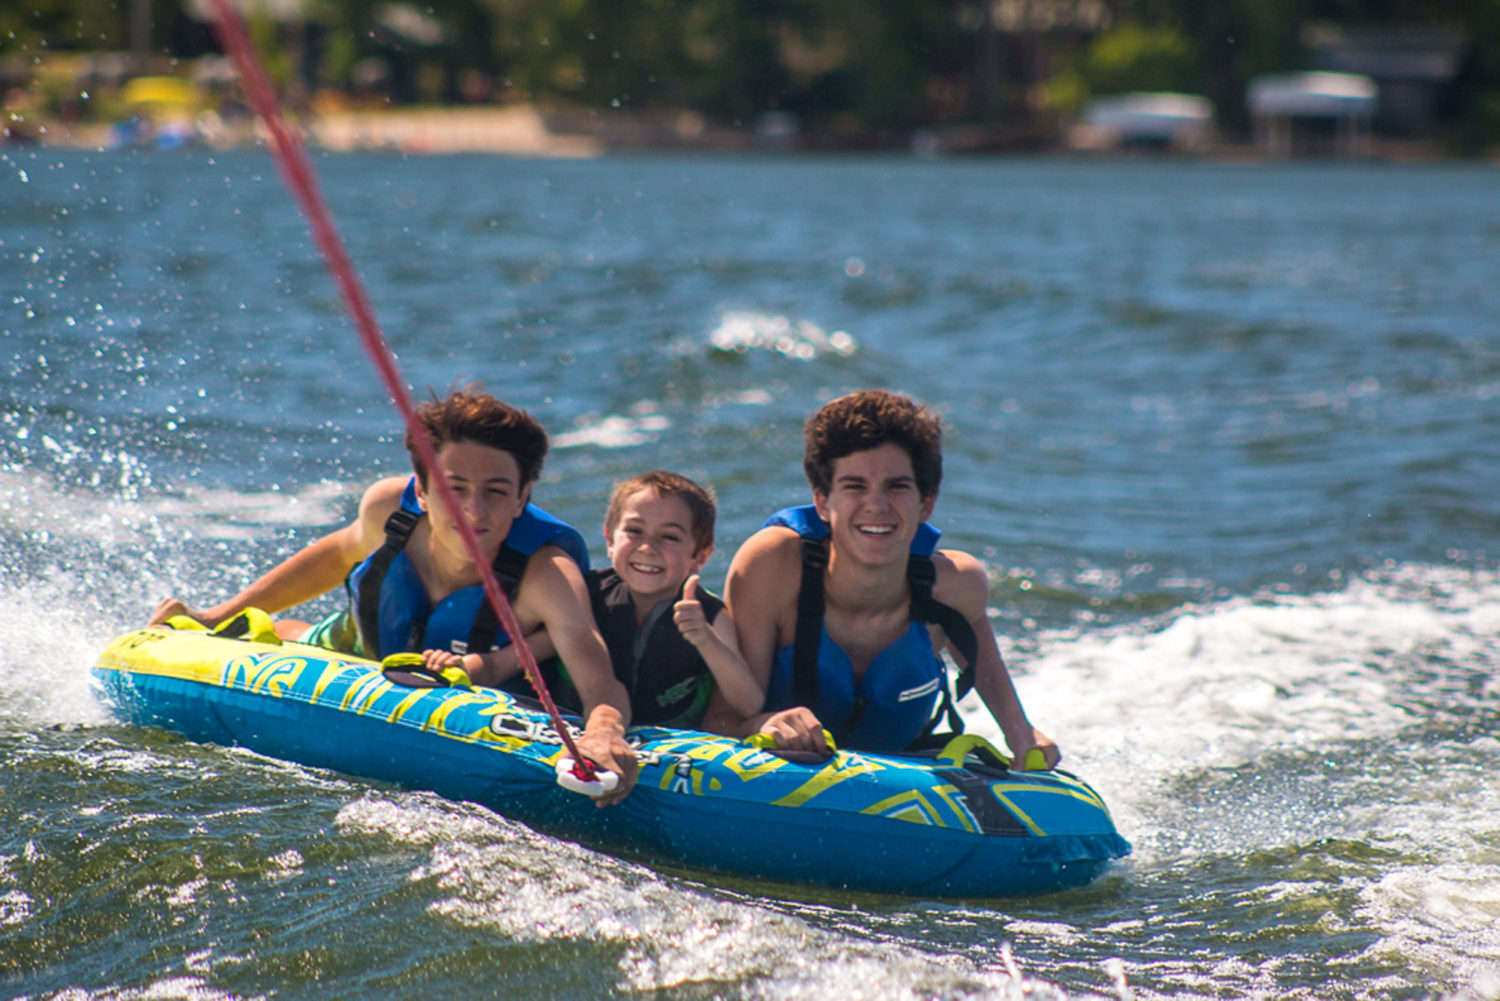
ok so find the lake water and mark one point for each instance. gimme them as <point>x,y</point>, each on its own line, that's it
<point>1227,436</point>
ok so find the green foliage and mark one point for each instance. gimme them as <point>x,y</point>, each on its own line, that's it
<point>41,25</point>
<point>1131,57</point>
<point>1134,57</point>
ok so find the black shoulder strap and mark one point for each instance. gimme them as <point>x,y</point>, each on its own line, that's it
<point>809,633</point>
<point>398,529</point>
<point>510,567</point>
<point>922,575</point>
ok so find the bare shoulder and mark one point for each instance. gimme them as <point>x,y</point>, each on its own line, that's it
<point>382,497</point>
<point>378,502</point>
<point>760,593</point>
<point>962,582</point>
<point>552,590</point>
<point>552,564</point>
<point>771,548</point>
<point>764,565</point>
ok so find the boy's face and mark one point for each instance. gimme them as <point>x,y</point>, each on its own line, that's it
<point>873,507</point>
<point>652,547</point>
<point>487,484</point>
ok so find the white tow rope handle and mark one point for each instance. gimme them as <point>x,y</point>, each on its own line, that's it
<point>602,783</point>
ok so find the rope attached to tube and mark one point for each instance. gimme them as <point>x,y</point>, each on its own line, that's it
<point>297,171</point>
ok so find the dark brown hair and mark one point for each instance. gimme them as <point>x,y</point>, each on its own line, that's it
<point>699,499</point>
<point>471,415</point>
<point>867,419</point>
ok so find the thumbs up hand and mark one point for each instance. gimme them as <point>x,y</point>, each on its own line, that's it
<point>688,614</point>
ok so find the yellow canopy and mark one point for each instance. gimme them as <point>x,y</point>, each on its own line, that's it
<point>164,90</point>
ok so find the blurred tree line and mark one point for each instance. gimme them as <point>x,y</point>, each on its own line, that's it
<point>841,66</point>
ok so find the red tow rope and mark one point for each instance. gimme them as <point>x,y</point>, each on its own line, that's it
<point>297,172</point>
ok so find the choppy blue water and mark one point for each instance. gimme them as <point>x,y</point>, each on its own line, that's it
<point>1228,436</point>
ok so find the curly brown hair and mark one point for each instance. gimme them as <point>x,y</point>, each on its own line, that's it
<point>470,414</point>
<point>867,419</point>
<point>700,501</point>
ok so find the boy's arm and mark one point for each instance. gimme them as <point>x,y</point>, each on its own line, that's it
<point>963,584</point>
<point>719,646</point>
<point>315,569</point>
<point>494,667</point>
<point>552,594</point>
<point>758,598</point>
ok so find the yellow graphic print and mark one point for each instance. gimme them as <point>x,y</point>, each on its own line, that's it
<point>360,696</point>
<point>437,720</point>
<point>960,807</point>
<point>910,806</point>
<point>273,674</point>
<point>331,673</point>
<point>750,763</point>
<point>842,767</point>
<point>1077,791</point>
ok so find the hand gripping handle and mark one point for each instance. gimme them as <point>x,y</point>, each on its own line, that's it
<point>603,781</point>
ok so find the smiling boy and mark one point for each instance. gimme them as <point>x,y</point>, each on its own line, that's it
<point>671,641</point>
<point>413,587</point>
<point>659,531</point>
<point>855,648</point>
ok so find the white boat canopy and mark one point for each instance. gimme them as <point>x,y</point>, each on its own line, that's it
<point>1284,107</point>
<point>1313,95</point>
<point>1159,115</point>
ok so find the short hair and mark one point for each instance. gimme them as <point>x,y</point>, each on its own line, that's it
<point>867,419</point>
<point>471,415</point>
<point>700,500</point>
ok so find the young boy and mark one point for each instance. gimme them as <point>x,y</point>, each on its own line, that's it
<point>659,531</point>
<point>671,642</point>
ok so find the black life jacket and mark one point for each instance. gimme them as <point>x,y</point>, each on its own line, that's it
<point>669,684</point>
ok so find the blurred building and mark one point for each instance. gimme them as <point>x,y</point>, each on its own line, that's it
<point>1158,120</point>
<point>1312,113</point>
<point>1412,67</point>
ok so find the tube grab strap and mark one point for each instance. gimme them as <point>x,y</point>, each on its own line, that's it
<point>252,625</point>
<point>964,744</point>
<point>410,670</point>
<point>767,742</point>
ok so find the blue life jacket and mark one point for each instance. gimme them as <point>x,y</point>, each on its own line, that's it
<point>903,694</point>
<point>886,710</point>
<point>390,607</point>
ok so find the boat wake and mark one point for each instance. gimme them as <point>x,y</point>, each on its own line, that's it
<point>664,932</point>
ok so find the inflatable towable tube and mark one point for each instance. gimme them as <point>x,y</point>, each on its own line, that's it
<point>943,825</point>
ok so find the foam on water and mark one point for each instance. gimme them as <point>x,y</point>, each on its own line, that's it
<point>1343,738</point>
<point>502,877</point>
<point>35,503</point>
<point>1224,685</point>
<point>615,430</point>
<point>48,640</point>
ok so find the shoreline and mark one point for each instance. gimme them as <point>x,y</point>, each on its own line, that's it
<point>531,131</point>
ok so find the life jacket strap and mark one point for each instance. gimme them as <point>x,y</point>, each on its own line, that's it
<point>921,575</point>
<point>398,529</point>
<point>809,634</point>
<point>509,567</point>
